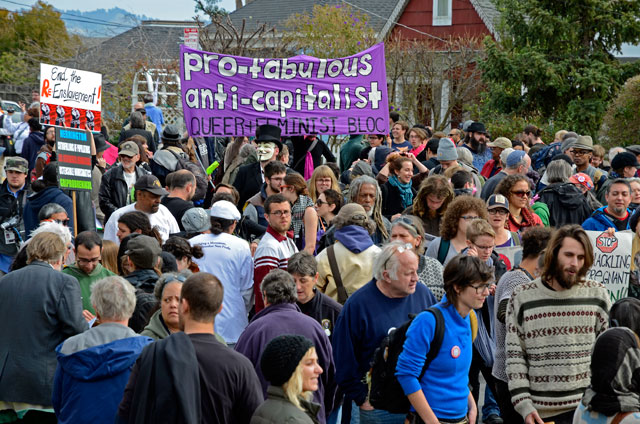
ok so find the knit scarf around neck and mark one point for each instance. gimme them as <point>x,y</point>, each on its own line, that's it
<point>405,191</point>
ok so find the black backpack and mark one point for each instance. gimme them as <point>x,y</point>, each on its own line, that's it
<point>385,391</point>
<point>202,181</point>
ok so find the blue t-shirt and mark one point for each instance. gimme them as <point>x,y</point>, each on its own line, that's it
<point>445,383</point>
<point>406,146</point>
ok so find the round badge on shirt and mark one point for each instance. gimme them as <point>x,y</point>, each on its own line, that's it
<point>455,352</point>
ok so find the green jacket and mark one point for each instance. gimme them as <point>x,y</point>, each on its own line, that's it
<point>158,331</point>
<point>350,151</point>
<point>277,409</point>
<point>86,281</point>
<point>542,210</point>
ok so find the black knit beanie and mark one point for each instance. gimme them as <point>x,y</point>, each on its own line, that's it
<point>281,357</point>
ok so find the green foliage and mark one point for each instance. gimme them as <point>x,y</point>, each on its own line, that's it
<point>621,125</point>
<point>555,58</point>
<point>30,37</point>
<point>330,31</point>
<point>210,8</point>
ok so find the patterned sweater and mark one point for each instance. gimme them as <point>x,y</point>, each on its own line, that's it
<point>550,335</point>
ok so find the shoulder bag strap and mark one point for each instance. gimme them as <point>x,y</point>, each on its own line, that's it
<point>342,292</point>
<point>619,417</point>
<point>305,155</point>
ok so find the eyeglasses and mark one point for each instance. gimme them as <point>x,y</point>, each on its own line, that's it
<point>482,247</point>
<point>580,152</point>
<point>521,193</point>
<point>87,261</point>
<point>481,288</point>
<point>280,213</point>
<point>320,202</point>
<point>468,217</point>
<point>498,211</point>
<point>407,221</point>
<point>286,187</point>
<point>401,249</point>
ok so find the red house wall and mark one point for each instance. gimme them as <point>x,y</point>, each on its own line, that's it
<point>418,14</point>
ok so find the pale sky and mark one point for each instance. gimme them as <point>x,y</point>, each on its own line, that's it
<point>158,9</point>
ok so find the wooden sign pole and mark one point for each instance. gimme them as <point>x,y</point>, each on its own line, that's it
<point>75,214</point>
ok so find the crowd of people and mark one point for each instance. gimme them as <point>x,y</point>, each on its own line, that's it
<point>267,290</point>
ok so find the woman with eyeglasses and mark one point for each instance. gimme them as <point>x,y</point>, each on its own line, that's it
<point>328,205</point>
<point>408,229</point>
<point>453,231</point>
<point>322,179</point>
<point>498,209</point>
<point>442,393</point>
<point>304,219</point>
<point>517,190</point>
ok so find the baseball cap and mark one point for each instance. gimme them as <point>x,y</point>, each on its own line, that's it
<point>501,142</point>
<point>143,251</point>
<point>129,148</point>
<point>624,159</point>
<point>16,163</point>
<point>196,220</point>
<point>225,209</point>
<point>582,179</point>
<point>497,201</point>
<point>151,184</point>
<point>515,157</point>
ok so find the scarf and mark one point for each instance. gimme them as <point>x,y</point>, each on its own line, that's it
<point>405,191</point>
<point>615,364</point>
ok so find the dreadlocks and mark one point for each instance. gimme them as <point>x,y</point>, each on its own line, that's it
<point>376,214</point>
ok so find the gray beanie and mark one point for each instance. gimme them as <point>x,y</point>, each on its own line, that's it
<point>447,150</point>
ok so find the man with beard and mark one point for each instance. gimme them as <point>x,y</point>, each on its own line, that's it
<point>274,173</point>
<point>476,142</point>
<point>582,154</point>
<point>552,323</point>
<point>616,213</point>
<point>148,193</point>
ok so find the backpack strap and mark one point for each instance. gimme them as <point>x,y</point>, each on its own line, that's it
<point>436,343</point>
<point>515,238</point>
<point>443,249</point>
<point>342,292</point>
<point>619,417</point>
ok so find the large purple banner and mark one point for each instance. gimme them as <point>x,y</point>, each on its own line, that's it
<point>226,95</point>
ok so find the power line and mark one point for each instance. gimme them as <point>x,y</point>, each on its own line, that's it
<point>394,22</point>
<point>96,21</point>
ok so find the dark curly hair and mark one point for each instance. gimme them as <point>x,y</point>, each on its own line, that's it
<point>458,207</point>
<point>180,248</point>
<point>506,185</point>
<point>435,184</point>
<point>534,241</point>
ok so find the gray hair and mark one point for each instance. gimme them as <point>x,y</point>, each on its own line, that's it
<point>60,230</point>
<point>169,277</point>
<point>465,156</point>
<point>50,209</point>
<point>387,260</point>
<point>136,120</point>
<point>614,151</point>
<point>342,221</point>
<point>558,171</point>
<point>278,287</point>
<point>504,155</point>
<point>354,189</point>
<point>303,263</point>
<point>114,298</point>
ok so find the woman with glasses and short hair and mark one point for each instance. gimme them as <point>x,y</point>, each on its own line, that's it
<point>453,231</point>
<point>442,393</point>
<point>517,190</point>
<point>328,205</point>
<point>498,209</point>
<point>408,229</point>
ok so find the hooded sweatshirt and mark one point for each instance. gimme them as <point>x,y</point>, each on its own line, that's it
<point>355,256</point>
<point>31,147</point>
<point>567,204</point>
<point>93,370</point>
<point>36,201</point>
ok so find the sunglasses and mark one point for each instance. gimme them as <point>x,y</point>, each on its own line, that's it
<point>521,193</point>
<point>320,202</point>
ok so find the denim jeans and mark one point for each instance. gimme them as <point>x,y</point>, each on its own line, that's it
<point>378,416</point>
<point>335,417</point>
<point>490,406</point>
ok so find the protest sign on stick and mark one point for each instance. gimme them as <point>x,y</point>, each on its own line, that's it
<point>70,97</point>
<point>73,148</point>
<point>612,261</point>
<point>226,95</point>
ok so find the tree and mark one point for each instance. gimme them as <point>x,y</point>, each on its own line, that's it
<point>30,37</point>
<point>330,31</point>
<point>621,125</point>
<point>555,58</point>
<point>210,7</point>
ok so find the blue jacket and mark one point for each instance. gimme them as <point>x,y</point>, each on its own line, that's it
<point>36,201</point>
<point>445,383</point>
<point>365,320</point>
<point>89,384</point>
<point>599,221</point>
<point>31,147</point>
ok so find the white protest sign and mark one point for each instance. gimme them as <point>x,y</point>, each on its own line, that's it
<point>70,97</point>
<point>191,37</point>
<point>612,261</point>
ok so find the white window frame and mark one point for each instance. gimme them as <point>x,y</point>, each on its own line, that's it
<point>442,20</point>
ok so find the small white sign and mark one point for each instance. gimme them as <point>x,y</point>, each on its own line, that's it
<point>191,37</point>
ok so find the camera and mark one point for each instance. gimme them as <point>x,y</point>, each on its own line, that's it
<point>10,223</point>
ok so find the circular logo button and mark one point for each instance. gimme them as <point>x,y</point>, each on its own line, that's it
<point>455,352</point>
